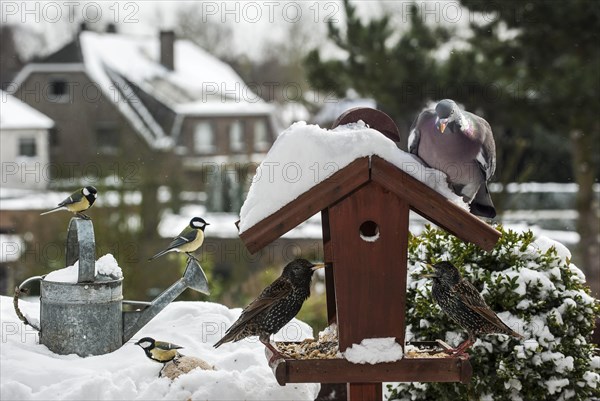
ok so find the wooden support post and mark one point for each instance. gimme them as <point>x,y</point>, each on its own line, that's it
<point>365,392</point>
<point>368,247</point>
<point>369,268</point>
<point>328,259</point>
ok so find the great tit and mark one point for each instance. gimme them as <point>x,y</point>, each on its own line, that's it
<point>190,239</point>
<point>78,202</point>
<point>159,351</point>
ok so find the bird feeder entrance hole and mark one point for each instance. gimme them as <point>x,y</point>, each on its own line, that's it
<point>369,231</point>
<point>365,210</point>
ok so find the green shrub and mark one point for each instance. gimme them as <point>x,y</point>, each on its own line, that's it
<point>535,290</point>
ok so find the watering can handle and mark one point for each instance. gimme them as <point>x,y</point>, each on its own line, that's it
<point>22,290</point>
<point>81,246</point>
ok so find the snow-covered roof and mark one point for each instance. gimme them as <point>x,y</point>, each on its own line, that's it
<point>305,155</point>
<point>18,115</point>
<point>200,84</point>
<point>215,107</point>
<point>199,80</point>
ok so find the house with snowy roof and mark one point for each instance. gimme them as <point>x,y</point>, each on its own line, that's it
<point>24,132</point>
<point>156,107</point>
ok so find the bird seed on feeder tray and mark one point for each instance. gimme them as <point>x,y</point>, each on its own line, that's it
<point>411,351</point>
<point>326,347</point>
<point>309,349</point>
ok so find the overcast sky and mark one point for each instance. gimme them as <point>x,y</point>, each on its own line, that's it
<point>254,23</point>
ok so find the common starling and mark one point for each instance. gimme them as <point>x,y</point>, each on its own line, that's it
<point>275,306</point>
<point>464,304</point>
<point>78,202</point>
<point>461,145</point>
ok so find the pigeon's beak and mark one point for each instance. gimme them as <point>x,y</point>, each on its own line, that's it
<point>442,124</point>
<point>317,266</point>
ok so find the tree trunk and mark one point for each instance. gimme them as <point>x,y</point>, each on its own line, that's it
<point>588,222</point>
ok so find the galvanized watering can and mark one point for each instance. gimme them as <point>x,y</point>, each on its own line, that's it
<point>87,317</point>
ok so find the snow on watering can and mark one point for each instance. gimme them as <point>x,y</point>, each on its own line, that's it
<point>86,317</point>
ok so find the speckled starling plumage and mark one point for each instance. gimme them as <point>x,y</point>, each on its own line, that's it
<point>461,301</point>
<point>275,306</point>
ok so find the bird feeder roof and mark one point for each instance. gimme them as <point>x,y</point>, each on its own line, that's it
<point>381,166</point>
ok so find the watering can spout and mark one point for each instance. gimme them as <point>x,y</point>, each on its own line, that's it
<point>193,278</point>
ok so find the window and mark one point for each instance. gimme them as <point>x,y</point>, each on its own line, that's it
<point>225,189</point>
<point>204,138</point>
<point>53,136</point>
<point>107,138</point>
<point>27,147</point>
<point>261,136</point>
<point>236,137</point>
<point>58,90</point>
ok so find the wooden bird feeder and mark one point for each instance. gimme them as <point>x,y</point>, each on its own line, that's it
<point>365,211</point>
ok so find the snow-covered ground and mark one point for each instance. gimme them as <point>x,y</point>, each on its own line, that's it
<point>29,371</point>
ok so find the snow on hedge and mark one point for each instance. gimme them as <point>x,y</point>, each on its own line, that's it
<point>537,291</point>
<point>31,371</point>
<point>305,155</point>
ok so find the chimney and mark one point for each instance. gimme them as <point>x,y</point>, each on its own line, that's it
<point>167,49</point>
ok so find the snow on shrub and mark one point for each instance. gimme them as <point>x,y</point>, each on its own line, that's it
<point>536,291</point>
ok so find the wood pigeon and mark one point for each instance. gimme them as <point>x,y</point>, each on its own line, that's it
<point>461,145</point>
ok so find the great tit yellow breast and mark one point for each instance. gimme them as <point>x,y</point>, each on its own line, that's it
<point>161,355</point>
<point>195,244</point>
<point>79,206</point>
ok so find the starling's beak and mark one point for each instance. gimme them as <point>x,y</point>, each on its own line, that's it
<point>317,266</point>
<point>429,275</point>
